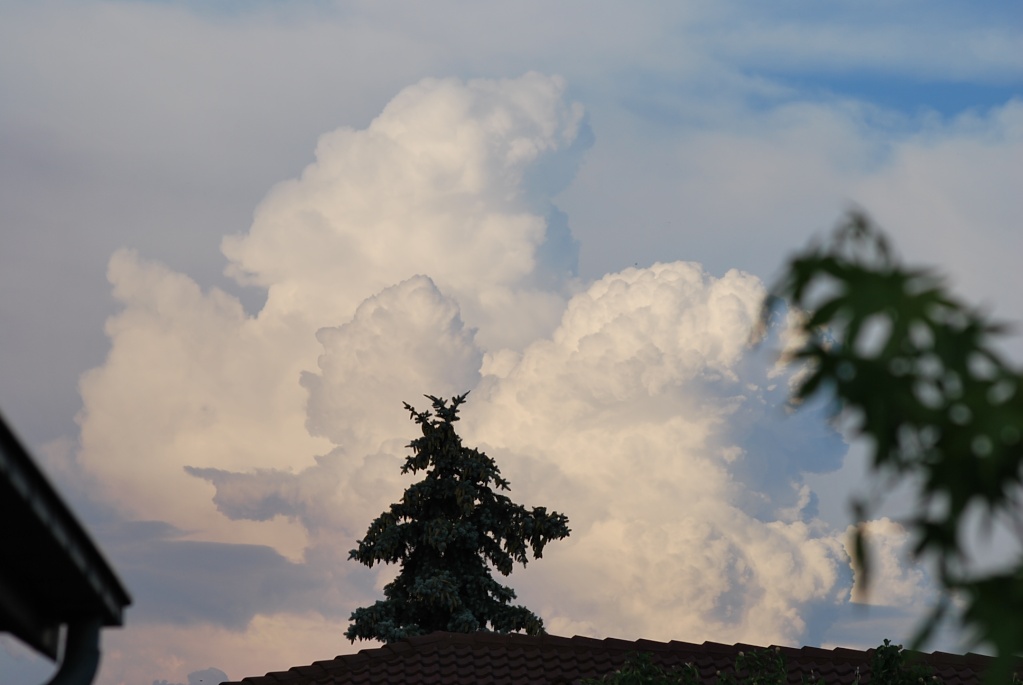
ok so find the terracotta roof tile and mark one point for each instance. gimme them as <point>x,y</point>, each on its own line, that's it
<point>493,659</point>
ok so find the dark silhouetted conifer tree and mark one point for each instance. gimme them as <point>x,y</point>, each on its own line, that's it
<point>444,532</point>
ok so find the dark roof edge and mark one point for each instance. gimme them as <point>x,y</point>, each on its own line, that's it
<point>41,498</point>
<point>366,658</point>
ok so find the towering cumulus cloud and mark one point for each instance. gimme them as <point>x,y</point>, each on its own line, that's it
<point>424,255</point>
<point>691,518</point>
<point>452,180</point>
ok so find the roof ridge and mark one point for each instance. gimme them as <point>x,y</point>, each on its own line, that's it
<point>521,652</point>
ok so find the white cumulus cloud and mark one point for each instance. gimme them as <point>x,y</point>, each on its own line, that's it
<point>650,421</point>
<point>424,254</point>
<point>895,580</point>
<point>446,181</point>
<point>440,183</point>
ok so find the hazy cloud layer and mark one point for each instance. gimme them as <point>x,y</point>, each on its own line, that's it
<point>184,582</point>
<point>949,212</point>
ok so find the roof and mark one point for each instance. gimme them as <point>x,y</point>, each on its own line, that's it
<point>513,659</point>
<point>52,573</point>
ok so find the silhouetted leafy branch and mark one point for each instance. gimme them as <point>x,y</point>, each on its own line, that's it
<point>912,369</point>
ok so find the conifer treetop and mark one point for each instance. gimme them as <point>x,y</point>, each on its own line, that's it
<point>446,532</point>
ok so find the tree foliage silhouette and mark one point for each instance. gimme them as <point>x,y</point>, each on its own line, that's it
<point>889,665</point>
<point>445,531</point>
<point>913,368</point>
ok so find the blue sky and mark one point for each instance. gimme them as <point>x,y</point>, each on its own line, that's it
<point>236,236</point>
<point>911,96</point>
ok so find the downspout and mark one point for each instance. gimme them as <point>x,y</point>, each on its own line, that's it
<point>81,654</point>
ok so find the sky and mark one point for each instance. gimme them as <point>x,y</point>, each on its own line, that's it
<point>236,236</point>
